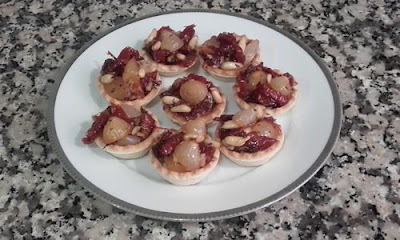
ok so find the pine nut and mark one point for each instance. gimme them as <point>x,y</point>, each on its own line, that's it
<point>181,108</point>
<point>217,97</point>
<point>156,46</point>
<point>107,78</point>
<point>180,56</point>
<point>170,100</point>
<point>247,130</point>
<point>269,78</point>
<point>135,130</point>
<point>259,111</point>
<point>193,42</point>
<point>242,42</point>
<point>141,73</point>
<point>152,35</point>
<point>234,141</point>
<point>231,65</point>
<point>229,125</point>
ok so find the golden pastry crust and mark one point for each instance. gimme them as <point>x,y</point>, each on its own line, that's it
<point>228,75</point>
<point>168,70</point>
<point>134,103</point>
<point>251,159</point>
<point>268,111</point>
<point>131,151</point>
<point>217,110</point>
<point>186,178</point>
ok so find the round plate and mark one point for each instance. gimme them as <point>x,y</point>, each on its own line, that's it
<point>311,127</point>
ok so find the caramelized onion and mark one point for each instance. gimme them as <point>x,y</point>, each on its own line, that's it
<point>131,111</point>
<point>118,89</point>
<point>255,78</point>
<point>251,50</point>
<point>170,41</point>
<point>173,166</point>
<point>281,84</point>
<point>131,70</point>
<point>196,127</point>
<point>115,129</point>
<point>188,154</point>
<point>193,91</point>
<point>266,129</point>
<point>245,117</point>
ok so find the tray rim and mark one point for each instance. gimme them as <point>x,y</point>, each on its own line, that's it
<point>210,216</point>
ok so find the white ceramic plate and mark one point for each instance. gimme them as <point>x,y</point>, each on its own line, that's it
<point>310,129</point>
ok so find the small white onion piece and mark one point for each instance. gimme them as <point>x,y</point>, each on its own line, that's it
<point>251,50</point>
<point>170,41</point>
<point>266,129</point>
<point>188,154</point>
<point>245,117</point>
<point>282,85</point>
<point>196,127</point>
<point>131,111</point>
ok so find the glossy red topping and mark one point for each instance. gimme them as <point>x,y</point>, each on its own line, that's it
<point>221,49</point>
<point>255,143</point>
<point>187,33</point>
<point>199,109</point>
<point>263,93</point>
<point>97,127</point>
<point>127,53</point>
<point>150,78</point>
<point>145,121</point>
<point>208,151</point>
<point>167,57</point>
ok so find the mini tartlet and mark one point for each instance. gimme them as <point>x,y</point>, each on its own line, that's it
<point>171,52</point>
<point>128,79</point>
<point>185,156</point>
<point>248,138</point>
<point>227,54</point>
<point>123,131</point>
<point>261,87</point>
<point>193,97</point>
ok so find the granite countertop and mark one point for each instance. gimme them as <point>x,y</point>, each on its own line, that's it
<point>356,195</point>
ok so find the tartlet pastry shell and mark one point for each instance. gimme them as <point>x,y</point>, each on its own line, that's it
<point>251,159</point>
<point>131,151</point>
<point>187,178</point>
<point>267,111</point>
<point>134,103</point>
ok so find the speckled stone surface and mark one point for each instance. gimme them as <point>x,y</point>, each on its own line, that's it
<point>356,195</point>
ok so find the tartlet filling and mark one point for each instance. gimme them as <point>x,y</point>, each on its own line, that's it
<point>262,85</point>
<point>228,51</point>
<point>185,150</point>
<point>191,97</point>
<point>168,47</point>
<point>128,77</point>
<point>120,126</point>
<point>243,132</point>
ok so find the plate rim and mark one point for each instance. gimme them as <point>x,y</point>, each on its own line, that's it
<point>209,216</point>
